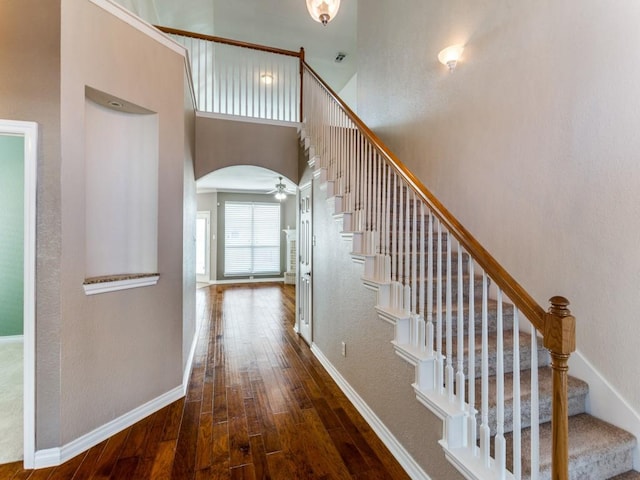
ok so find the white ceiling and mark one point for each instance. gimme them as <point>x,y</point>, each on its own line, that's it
<point>275,23</point>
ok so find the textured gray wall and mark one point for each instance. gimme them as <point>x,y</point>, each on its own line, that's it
<point>224,143</point>
<point>30,90</point>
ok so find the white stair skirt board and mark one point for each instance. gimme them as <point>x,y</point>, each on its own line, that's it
<point>605,402</point>
<point>395,447</point>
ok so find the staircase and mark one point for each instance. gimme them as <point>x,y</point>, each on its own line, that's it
<point>405,251</point>
<point>597,450</point>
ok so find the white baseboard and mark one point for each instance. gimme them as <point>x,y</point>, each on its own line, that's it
<point>605,402</point>
<point>247,280</point>
<point>192,352</point>
<point>12,339</point>
<point>56,456</point>
<point>391,442</point>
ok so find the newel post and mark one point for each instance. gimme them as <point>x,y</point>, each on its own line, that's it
<point>560,340</point>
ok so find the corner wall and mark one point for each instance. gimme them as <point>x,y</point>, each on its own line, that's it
<point>531,142</point>
<point>122,349</point>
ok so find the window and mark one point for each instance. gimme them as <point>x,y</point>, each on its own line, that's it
<point>252,238</point>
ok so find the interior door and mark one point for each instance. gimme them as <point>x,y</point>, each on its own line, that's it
<point>305,282</point>
<point>203,246</point>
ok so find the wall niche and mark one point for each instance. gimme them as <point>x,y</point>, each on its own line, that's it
<point>121,194</point>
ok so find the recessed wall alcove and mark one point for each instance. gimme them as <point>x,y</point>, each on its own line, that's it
<point>121,194</point>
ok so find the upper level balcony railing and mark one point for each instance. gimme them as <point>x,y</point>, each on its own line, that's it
<point>243,79</point>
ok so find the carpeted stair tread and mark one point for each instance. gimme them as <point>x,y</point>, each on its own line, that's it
<point>577,391</point>
<point>492,316</point>
<point>508,339</point>
<point>597,450</point>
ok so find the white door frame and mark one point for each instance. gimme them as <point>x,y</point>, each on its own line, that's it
<point>207,265</point>
<point>28,130</point>
<point>304,287</point>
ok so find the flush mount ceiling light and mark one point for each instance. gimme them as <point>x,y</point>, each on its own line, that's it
<point>266,78</point>
<point>450,56</point>
<point>323,11</point>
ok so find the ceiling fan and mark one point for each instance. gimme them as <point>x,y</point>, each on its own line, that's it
<point>281,190</point>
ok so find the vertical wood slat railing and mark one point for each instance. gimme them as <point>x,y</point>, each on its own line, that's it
<point>389,208</point>
<point>243,79</point>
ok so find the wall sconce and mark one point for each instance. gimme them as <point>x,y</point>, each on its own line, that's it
<point>450,56</point>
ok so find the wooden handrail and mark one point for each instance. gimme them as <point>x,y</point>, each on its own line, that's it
<point>525,303</point>
<point>229,41</point>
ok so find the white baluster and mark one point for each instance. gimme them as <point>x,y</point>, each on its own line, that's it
<point>460,334</point>
<point>388,222</point>
<point>407,238</point>
<point>517,425</point>
<point>400,233</point>
<point>423,279</point>
<point>449,341</point>
<point>472,428</point>
<point>394,230</point>
<point>429,335</point>
<point>439,279</point>
<point>484,424</point>
<point>414,252</point>
<point>535,414</point>
<point>500,444</point>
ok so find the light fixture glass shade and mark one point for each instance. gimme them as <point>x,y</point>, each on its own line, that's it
<point>281,195</point>
<point>323,11</point>
<point>450,56</point>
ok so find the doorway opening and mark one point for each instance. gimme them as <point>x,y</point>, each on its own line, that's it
<point>18,160</point>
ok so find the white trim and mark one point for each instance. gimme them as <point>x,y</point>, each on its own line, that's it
<point>239,118</point>
<point>139,24</point>
<point>391,442</point>
<point>115,285</point>
<point>246,280</point>
<point>28,130</point>
<point>192,353</point>
<point>56,456</point>
<point>11,339</point>
<point>605,401</point>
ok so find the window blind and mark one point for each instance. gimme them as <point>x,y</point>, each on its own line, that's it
<point>252,238</point>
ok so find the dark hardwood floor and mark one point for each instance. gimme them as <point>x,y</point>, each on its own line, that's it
<point>259,406</point>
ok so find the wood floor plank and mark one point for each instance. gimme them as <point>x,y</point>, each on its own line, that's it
<point>244,472</point>
<point>163,461</point>
<point>9,470</point>
<point>186,446</point>
<point>220,450</point>
<point>42,474</point>
<point>259,458</point>
<point>125,469</point>
<point>204,449</point>
<point>110,454</point>
<point>67,470</point>
<point>89,461</point>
